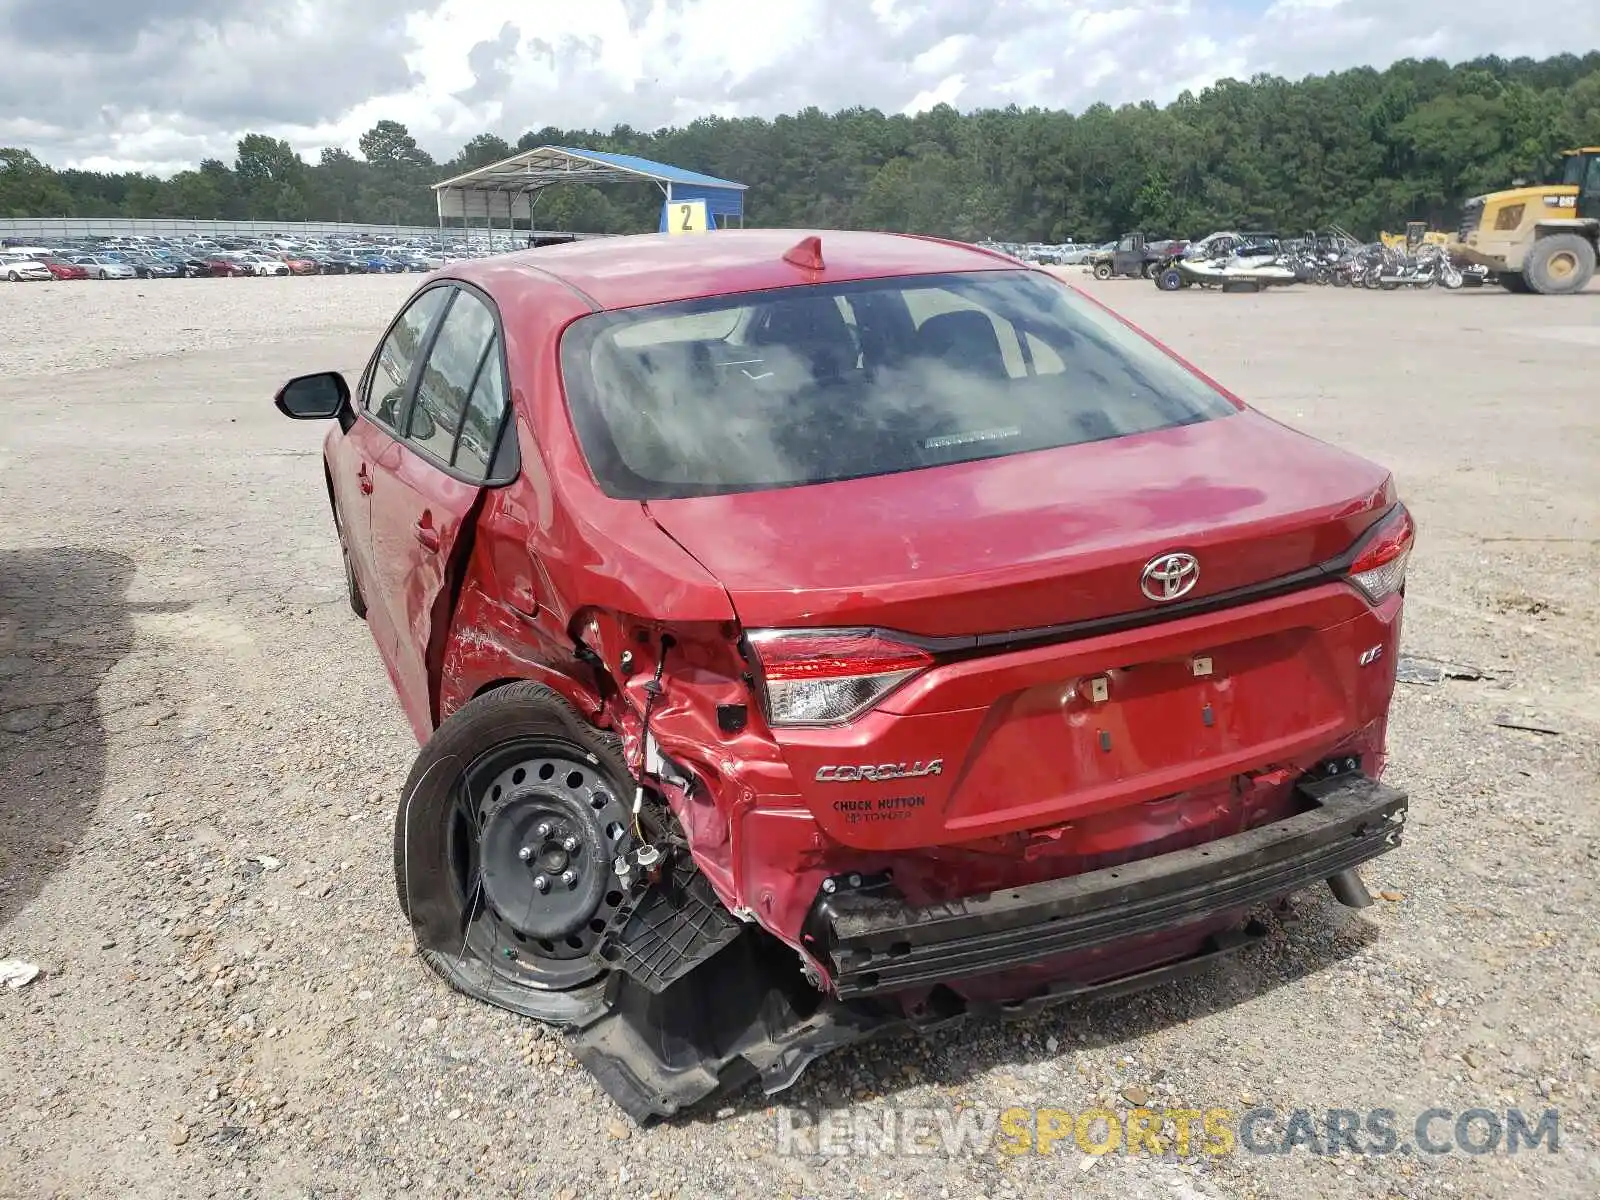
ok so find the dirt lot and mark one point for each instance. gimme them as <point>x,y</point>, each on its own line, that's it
<point>199,754</point>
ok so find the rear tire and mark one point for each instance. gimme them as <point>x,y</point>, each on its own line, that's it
<point>1170,280</point>
<point>513,757</point>
<point>1559,265</point>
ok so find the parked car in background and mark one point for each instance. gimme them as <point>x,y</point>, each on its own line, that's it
<point>260,263</point>
<point>378,263</point>
<point>418,261</point>
<point>103,266</point>
<point>227,264</point>
<point>344,262</point>
<point>18,268</point>
<point>1078,255</point>
<point>192,265</point>
<point>62,269</point>
<point>301,264</point>
<point>1096,661</point>
<point>148,266</point>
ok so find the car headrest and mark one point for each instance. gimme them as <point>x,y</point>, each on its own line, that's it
<point>964,339</point>
<point>810,321</point>
<point>814,330</point>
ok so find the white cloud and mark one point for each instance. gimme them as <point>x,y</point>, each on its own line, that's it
<point>159,84</point>
<point>943,56</point>
<point>947,91</point>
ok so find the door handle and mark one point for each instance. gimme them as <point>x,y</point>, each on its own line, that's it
<point>427,535</point>
<point>364,479</point>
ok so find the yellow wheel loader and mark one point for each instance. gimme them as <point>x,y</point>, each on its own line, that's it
<point>1540,238</point>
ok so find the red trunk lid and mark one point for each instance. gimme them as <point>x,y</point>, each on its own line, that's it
<point>1081,736</point>
<point>1036,539</point>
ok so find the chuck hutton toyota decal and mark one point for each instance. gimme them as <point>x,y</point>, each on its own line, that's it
<point>883,808</point>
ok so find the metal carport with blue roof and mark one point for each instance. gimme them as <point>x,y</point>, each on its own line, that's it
<point>509,189</point>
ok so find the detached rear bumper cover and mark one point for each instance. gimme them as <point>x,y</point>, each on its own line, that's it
<point>658,1053</point>
<point>877,945</point>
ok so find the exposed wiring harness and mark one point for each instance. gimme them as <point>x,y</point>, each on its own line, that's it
<point>652,692</point>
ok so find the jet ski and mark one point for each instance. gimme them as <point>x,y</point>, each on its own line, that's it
<point>1232,272</point>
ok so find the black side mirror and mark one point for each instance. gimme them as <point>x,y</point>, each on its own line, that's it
<point>313,397</point>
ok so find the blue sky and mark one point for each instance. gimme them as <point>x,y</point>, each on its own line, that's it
<point>160,84</point>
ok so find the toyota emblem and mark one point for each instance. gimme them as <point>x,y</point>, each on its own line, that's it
<point>1168,576</point>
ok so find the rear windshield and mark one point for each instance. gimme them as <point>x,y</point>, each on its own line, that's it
<point>813,384</point>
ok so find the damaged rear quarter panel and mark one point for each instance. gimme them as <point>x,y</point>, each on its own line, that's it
<point>555,562</point>
<point>549,544</point>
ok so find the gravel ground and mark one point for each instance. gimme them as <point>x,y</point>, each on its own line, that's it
<point>199,754</point>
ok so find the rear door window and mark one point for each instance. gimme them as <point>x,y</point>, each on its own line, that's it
<point>434,420</point>
<point>813,384</point>
<point>485,417</point>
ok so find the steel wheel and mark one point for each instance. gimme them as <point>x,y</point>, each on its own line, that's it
<point>532,838</point>
<point>505,837</point>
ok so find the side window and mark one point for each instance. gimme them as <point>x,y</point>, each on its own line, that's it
<point>447,376</point>
<point>386,386</point>
<point>486,410</point>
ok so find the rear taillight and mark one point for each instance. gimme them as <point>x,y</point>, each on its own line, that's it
<point>828,676</point>
<point>1379,569</point>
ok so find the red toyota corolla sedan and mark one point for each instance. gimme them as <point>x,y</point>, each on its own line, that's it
<point>815,635</point>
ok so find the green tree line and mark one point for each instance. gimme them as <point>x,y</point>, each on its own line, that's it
<point>1367,149</point>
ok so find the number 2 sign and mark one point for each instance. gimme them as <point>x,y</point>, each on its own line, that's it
<point>686,216</point>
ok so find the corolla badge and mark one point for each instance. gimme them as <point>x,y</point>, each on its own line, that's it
<point>878,773</point>
<point>1168,576</point>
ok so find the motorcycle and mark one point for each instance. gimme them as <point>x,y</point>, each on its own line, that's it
<point>1430,265</point>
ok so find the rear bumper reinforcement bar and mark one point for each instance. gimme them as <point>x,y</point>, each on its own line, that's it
<point>877,945</point>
